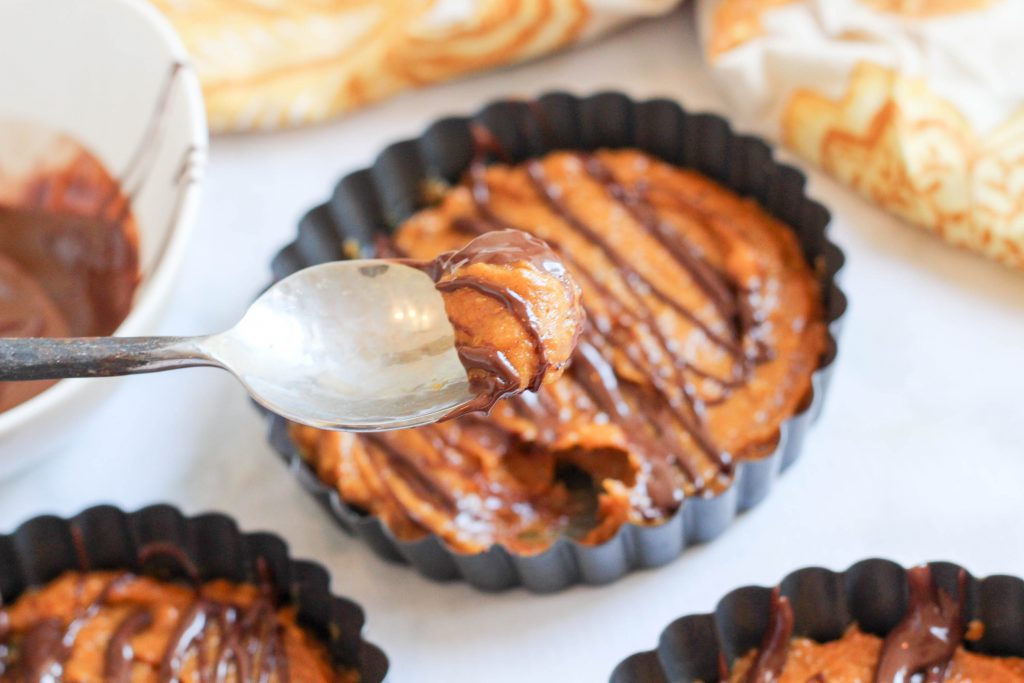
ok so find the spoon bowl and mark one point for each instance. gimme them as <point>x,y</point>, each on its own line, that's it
<point>352,345</point>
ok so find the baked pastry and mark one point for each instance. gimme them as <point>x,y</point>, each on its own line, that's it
<point>279,63</point>
<point>515,310</point>
<point>926,645</point>
<point>704,326</point>
<point>116,626</point>
<point>888,103</point>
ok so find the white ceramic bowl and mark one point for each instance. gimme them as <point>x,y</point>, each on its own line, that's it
<point>99,71</point>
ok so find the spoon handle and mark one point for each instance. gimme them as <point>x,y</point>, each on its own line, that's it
<point>44,358</point>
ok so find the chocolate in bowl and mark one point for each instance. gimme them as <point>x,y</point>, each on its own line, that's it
<point>371,204</point>
<point>69,253</point>
<point>918,619</point>
<point>160,543</point>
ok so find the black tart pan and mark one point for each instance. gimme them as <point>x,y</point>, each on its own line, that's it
<point>107,538</point>
<point>378,199</point>
<point>872,593</point>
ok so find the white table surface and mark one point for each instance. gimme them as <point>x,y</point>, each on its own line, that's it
<point>918,455</point>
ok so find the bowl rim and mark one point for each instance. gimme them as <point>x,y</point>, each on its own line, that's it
<point>156,287</point>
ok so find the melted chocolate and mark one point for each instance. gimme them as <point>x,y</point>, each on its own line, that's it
<point>60,276</point>
<point>925,641</point>
<point>504,248</point>
<point>497,378</point>
<point>249,642</point>
<point>72,238</point>
<point>117,662</point>
<point>86,267</point>
<point>771,658</point>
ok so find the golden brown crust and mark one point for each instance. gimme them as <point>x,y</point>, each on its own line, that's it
<point>667,346</point>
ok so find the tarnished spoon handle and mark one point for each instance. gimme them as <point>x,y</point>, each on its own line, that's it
<point>40,358</point>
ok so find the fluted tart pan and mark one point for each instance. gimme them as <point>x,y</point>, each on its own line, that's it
<point>107,538</point>
<point>874,594</point>
<point>377,200</point>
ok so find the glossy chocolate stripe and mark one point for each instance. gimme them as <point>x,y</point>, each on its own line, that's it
<point>417,474</point>
<point>771,658</point>
<point>519,307</point>
<point>189,629</point>
<point>497,379</point>
<point>595,374</point>
<point>117,663</point>
<point>925,641</point>
<point>43,653</point>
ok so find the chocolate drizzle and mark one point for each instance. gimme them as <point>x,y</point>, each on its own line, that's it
<point>925,641</point>
<point>246,643</point>
<point>117,663</point>
<point>498,377</point>
<point>675,392</point>
<point>517,306</point>
<point>771,658</point>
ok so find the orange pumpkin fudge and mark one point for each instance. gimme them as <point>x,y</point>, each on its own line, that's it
<point>703,328</point>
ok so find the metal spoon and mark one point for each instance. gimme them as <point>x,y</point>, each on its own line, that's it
<point>351,345</point>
